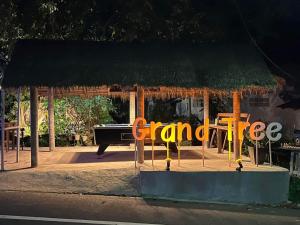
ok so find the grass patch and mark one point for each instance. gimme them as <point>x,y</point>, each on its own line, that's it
<point>294,192</point>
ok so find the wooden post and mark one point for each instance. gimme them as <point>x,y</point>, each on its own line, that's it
<point>34,126</point>
<point>236,116</point>
<point>206,113</point>
<point>18,124</point>
<point>2,106</point>
<point>51,126</point>
<point>140,113</point>
<point>131,107</point>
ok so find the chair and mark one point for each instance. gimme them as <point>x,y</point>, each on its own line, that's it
<point>9,135</point>
<point>220,126</point>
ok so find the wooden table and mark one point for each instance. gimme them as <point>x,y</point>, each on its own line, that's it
<point>107,134</point>
<point>219,129</point>
<point>221,125</point>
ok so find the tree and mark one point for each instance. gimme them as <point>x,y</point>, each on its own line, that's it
<point>106,20</point>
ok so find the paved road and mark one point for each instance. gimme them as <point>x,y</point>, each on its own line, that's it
<point>39,208</point>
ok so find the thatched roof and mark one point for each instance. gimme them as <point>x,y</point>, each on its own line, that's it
<point>65,64</point>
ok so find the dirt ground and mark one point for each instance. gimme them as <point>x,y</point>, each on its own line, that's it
<point>81,170</point>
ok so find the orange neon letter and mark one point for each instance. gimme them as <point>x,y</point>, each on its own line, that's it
<point>180,128</point>
<point>153,127</point>
<point>139,122</point>
<point>242,127</point>
<point>205,130</point>
<point>255,129</point>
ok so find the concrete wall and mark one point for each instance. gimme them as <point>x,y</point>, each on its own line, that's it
<point>244,187</point>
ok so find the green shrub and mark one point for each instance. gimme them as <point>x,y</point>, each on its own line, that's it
<point>294,192</point>
<point>44,140</point>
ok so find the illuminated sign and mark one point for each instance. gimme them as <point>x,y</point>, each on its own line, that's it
<point>169,133</point>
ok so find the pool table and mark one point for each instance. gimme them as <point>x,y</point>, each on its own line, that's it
<point>121,134</point>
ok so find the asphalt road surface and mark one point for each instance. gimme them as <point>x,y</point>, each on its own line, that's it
<point>29,208</point>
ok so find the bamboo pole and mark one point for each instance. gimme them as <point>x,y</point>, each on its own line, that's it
<point>168,152</point>
<point>179,157</point>
<point>135,153</point>
<point>2,127</point>
<point>203,155</point>
<point>18,124</point>
<point>236,116</point>
<point>229,152</point>
<point>270,153</point>
<point>140,113</point>
<point>51,119</point>
<point>34,126</point>
<point>206,113</point>
<point>152,146</point>
<point>256,151</point>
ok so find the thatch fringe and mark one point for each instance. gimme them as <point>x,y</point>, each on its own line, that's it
<point>161,92</point>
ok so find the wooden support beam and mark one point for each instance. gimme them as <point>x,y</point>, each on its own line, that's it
<point>236,116</point>
<point>34,126</point>
<point>51,126</point>
<point>206,112</point>
<point>131,107</point>
<point>140,113</point>
<point>2,107</point>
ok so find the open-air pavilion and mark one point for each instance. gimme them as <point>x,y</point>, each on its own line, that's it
<point>134,71</point>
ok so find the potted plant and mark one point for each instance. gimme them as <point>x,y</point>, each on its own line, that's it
<point>77,132</point>
<point>77,137</point>
<point>84,137</point>
<point>251,147</point>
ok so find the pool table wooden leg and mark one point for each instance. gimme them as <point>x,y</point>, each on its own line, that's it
<point>101,149</point>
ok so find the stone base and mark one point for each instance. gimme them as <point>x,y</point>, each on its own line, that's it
<point>257,187</point>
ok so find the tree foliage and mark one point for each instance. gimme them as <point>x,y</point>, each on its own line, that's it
<point>83,114</point>
<point>106,20</point>
<point>72,114</point>
<point>75,115</point>
<point>142,20</point>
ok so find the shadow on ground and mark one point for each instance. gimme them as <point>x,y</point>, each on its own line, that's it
<point>122,156</point>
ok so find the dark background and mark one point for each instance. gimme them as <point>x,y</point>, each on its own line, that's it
<point>272,24</point>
